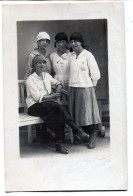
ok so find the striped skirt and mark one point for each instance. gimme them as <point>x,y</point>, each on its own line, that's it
<point>83,106</point>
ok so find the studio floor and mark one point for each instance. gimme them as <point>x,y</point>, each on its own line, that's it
<point>39,149</point>
<point>43,169</point>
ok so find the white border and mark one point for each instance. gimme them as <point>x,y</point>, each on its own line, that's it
<point>129,37</point>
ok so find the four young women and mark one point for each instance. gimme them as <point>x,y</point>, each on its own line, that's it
<point>78,73</point>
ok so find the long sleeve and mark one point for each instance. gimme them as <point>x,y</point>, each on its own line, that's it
<point>53,83</point>
<point>48,64</point>
<point>29,66</point>
<point>52,66</point>
<point>93,68</point>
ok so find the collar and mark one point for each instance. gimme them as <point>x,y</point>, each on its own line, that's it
<point>36,52</point>
<point>83,53</point>
<point>36,76</point>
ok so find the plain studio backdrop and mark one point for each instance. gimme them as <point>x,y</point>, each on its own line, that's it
<point>95,37</point>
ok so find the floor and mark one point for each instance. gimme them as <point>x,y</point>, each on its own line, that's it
<point>40,149</point>
<point>43,169</point>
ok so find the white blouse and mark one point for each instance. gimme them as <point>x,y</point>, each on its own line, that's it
<point>37,87</point>
<point>60,65</point>
<point>84,71</point>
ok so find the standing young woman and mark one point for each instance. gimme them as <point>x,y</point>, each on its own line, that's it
<point>60,60</point>
<point>43,40</point>
<point>84,75</point>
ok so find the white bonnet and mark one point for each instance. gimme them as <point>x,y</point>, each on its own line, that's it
<point>43,35</point>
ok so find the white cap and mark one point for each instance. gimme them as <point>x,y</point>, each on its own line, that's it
<point>43,35</point>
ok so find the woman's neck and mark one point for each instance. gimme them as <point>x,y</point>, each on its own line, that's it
<point>79,51</point>
<point>40,74</point>
<point>42,51</point>
<point>60,52</point>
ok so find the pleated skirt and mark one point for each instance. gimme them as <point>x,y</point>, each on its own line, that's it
<point>83,106</point>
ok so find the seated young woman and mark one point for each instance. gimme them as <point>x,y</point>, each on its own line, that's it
<point>42,103</point>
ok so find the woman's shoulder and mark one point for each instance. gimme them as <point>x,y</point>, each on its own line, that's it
<point>47,75</point>
<point>53,54</point>
<point>28,80</point>
<point>87,52</point>
<point>34,52</point>
<point>31,77</point>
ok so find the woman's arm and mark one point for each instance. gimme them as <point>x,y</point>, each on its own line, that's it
<point>52,67</point>
<point>58,88</point>
<point>56,83</point>
<point>28,70</point>
<point>94,69</point>
<point>54,96</point>
<point>33,90</point>
<point>48,65</point>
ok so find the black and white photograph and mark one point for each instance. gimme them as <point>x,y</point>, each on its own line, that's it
<point>55,42</point>
<point>64,124</point>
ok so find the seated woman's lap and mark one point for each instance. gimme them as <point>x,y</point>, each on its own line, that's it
<point>51,112</point>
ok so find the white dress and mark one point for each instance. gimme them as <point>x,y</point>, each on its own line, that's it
<point>60,66</point>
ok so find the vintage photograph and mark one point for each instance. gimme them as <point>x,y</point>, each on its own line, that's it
<point>75,55</point>
<point>65,129</point>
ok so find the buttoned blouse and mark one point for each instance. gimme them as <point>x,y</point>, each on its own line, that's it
<point>37,88</point>
<point>84,71</point>
<point>60,63</point>
<point>28,71</point>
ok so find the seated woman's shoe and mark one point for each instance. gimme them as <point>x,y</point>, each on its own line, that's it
<point>60,148</point>
<point>77,140</point>
<point>82,135</point>
<point>91,143</point>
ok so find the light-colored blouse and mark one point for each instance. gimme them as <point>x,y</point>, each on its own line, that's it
<point>60,67</point>
<point>84,71</point>
<point>37,87</point>
<point>28,71</point>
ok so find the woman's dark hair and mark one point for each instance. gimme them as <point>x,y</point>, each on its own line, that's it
<point>77,36</point>
<point>61,36</point>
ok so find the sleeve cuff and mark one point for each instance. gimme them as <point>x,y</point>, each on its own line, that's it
<point>40,99</point>
<point>58,84</point>
<point>94,82</point>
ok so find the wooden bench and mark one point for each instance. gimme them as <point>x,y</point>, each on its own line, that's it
<point>27,120</point>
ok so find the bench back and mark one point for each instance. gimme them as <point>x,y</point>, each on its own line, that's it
<point>22,95</point>
<point>63,100</point>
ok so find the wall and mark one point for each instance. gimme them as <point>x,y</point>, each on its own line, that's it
<point>94,33</point>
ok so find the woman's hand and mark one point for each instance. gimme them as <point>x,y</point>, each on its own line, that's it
<point>58,88</point>
<point>94,88</point>
<point>55,95</point>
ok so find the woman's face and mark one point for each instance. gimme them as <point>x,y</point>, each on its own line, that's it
<point>43,43</point>
<point>40,67</point>
<point>61,45</point>
<point>76,45</point>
